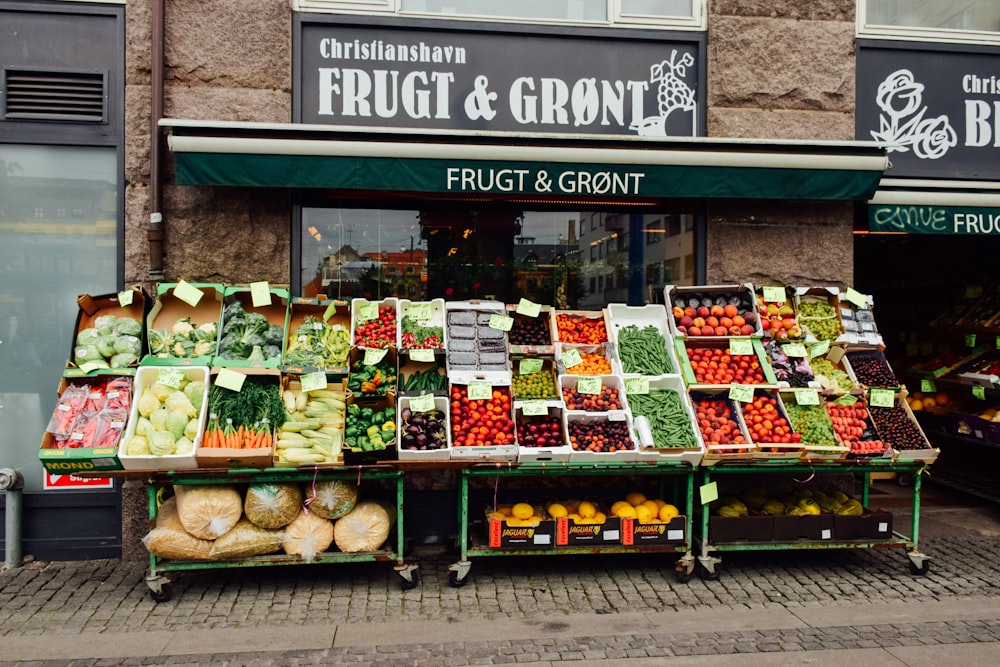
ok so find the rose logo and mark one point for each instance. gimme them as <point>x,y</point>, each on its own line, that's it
<point>902,124</point>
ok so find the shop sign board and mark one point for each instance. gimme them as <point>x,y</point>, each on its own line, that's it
<point>393,76</point>
<point>961,220</point>
<point>61,482</point>
<point>938,107</point>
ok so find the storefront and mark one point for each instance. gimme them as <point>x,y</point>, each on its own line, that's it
<point>927,243</point>
<point>575,164</point>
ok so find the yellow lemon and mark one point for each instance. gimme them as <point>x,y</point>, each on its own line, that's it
<point>523,511</point>
<point>635,498</point>
<point>514,522</point>
<point>504,509</point>
<point>587,509</point>
<point>668,513</point>
<point>600,517</point>
<point>653,507</point>
<point>660,502</point>
<point>618,505</point>
<point>496,516</point>
<point>556,510</point>
<point>643,514</point>
<point>626,512</point>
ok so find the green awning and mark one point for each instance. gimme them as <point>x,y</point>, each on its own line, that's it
<point>963,208</point>
<point>298,156</point>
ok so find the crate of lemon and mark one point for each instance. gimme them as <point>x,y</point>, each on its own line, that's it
<point>635,520</point>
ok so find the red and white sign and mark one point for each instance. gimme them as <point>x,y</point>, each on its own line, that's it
<point>52,481</point>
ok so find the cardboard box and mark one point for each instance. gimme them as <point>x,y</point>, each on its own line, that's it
<point>868,526</point>
<point>573,534</point>
<point>408,367</point>
<point>358,306</point>
<point>582,455</point>
<point>90,310</point>
<point>335,456</point>
<point>555,453</point>
<point>715,453</point>
<point>621,316</point>
<point>859,323</point>
<point>504,536</point>
<point>654,533</point>
<point>59,454</point>
<point>815,528</point>
<point>741,296</point>
<point>522,322</point>
<point>506,452</point>
<point>682,346</point>
<point>358,456</point>
<point>169,309</point>
<point>474,345</point>
<point>648,451</point>
<point>859,357</point>
<point>928,454</point>
<point>436,319</point>
<point>441,403</point>
<point>328,317</point>
<point>973,426</point>
<point>725,530</point>
<point>599,316</point>
<point>276,314</point>
<point>147,376</point>
<point>232,457</point>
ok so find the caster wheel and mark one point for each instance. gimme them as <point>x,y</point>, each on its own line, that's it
<point>920,569</point>
<point>904,479</point>
<point>165,593</point>
<point>455,582</point>
<point>411,583</point>
<point>683,576</point>
<point>708,575</point>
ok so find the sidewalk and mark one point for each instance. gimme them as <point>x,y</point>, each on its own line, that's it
<point>830,607</point>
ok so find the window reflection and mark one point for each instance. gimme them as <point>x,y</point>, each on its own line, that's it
<point>572,260</point>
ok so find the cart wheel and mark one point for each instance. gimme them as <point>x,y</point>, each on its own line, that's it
<point>904,479</point>
<point>455,582</point>
<point>683,576</point>
<point>411,583</point>
<point>164,594</point>
<point>708,574</point>
<point>921,569</point>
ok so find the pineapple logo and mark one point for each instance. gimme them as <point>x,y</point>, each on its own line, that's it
<point>531,533</point>
<point>672,95</point>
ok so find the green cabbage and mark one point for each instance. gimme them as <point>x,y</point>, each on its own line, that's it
<point>86,353</point>
<point>106,346</point>
<point>87,336</point>
<point>176,423</point>
<point>179,402</point>
<point>143,427</point>
<point>126,326</point>
<point>162,391</point>
<point>184,445</point>
<point>127,343</point>
<point>162,443</point>
<point>192,429</point>
<point>137,446</point>
<point>195,391</point>
<point>105,324</point>
<point>159,419</point>
<point>124,360</point>
<point>147,403</point>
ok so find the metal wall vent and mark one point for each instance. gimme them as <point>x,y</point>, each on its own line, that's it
<point>51,95</point>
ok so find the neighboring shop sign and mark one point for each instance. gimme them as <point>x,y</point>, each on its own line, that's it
<point>379,76</point>
<point>963,220</point>
<point>941,108</point>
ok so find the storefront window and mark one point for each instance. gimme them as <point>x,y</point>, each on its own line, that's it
<point>497,254</point>
<point>571,10</point>
<point>58,238</point>
<point>958,21</point>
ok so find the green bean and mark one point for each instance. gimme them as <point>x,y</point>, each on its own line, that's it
<point>643,351</point>
<point>669,421</point>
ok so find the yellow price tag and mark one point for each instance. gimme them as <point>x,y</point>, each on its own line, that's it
<point>528,308</point>
<point>260,294</point>
<point>230,379</point>
<point>125,298</point>
<point>188,293</point>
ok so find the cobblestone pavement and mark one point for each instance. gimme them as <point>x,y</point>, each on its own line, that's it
<point>589,609</point>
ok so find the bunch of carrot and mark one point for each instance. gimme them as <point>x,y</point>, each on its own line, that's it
<point>237,437</point>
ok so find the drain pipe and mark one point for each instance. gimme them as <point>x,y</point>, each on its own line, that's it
<point>154,233</point>
<point>11,483</point>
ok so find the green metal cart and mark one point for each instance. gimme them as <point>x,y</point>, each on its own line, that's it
<point>919,563</point>
<point>160,587</point>
<point>472,545</point>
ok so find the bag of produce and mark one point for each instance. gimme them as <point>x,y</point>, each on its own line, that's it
<point>169,539</point>
<point>308,535</point>
<point>208,512</point>
<point>364,528</point>
<point>246,539</point>
<point>332,499</point>
<point>272,506</point>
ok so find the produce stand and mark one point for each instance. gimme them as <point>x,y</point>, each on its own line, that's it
<point>160,588</point>
<point>473,544</point>
<point>918,562</point>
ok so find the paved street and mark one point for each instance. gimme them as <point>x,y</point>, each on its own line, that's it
<point>767,607</point>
